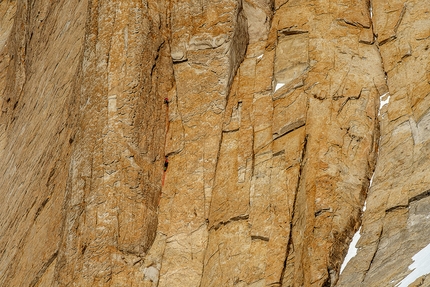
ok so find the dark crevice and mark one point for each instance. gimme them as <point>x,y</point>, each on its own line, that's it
<point>43,269</point>
<point>39,210</point>
<point>397,207</point>
<point>289,129</point>
<point>400,18</point>
<point>321,211</point>
<point>412,199</point>
<point>347,100</point>
<point>157,56</point>
<point>327,282</point>
<point>288,32</point>
<point>374,255</point>
<point>51,174</point>
<point>258,237</point>
<point>172,153</point>
<point>236,218</point>
<point>367,42</point>
<point>383,42</point>
<point>290,238</point>
<point>230,131</point>
<point>179,61</point>
<point>84,247</point>
<point>419,196</point>
<point>281,152</point>
<point>406,56</point>
<point>355,24</point>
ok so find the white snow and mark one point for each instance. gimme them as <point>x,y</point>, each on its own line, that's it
<point>278,86</point>
<point>383,102</point>
<point>352,250</point>
<point>259,57</point>
<point>420,267</point>
<point>371,179</point>
<point>370,185</point>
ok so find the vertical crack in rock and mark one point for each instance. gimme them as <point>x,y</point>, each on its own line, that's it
<point>270,127</point>
<point>330,191</point>
<point>207,53</point>
<point>34,127</point>
<point>115,175</point>
<point>290,242</point>
<point>43,269</point>
<point>404,99</point>
<point>373,255</point>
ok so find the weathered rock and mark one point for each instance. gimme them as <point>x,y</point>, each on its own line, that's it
<point>83,103</point>
<point>42,55</point>
<point>269,139</point>
<point>395,224</point>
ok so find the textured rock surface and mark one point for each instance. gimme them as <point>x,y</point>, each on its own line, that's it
<point>272,134</point>
<point>83,103</point>
<point>395,224</point>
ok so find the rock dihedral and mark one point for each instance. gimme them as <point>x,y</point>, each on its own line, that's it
<point>272,133</point>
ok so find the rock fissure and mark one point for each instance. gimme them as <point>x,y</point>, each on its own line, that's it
<point>419,197</point>
<point>233,219</point>
<point>290,242</point>
<point>258,237</point>
<point>271,131</point>
<point>43,269</point>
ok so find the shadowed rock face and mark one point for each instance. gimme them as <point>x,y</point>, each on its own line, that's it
<point>272,132</point>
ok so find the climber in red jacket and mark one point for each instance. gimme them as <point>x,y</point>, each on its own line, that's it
<point>166,101</point>
<point>166,163</point>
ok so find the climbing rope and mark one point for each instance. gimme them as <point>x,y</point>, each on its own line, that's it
<point>166,159</point>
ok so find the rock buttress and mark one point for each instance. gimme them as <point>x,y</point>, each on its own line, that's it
<point>271,133</point>
<point>268,175</point>
<point>395,224</point>
<point>116,168</point>
<point>39,59</point>
<point>82,137</point>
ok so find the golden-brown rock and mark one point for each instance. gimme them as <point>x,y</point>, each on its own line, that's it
<point>395,224</point>
<point>212,143</point>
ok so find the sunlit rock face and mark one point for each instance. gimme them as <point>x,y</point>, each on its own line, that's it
<point>214,143</point>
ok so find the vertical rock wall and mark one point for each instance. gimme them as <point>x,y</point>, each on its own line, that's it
<point>40,57</point>
<point>274,182</point>
<point>208,43</point>
<point>115,178</point>
<point>271,134</point>
<point>395,224</point>
<point>83,131</point>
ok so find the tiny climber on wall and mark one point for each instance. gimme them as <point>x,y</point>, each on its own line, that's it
<point>166,163</point>
<point>166,101</point>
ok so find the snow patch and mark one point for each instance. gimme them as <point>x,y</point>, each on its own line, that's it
<point>259,57</point>
<point>373,175</point>
<point>420,267</point>
<point>352,250</point>
<point>382,102</point>
<point>278,86</point>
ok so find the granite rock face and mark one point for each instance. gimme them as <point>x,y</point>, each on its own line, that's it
<point>395,224</point>
<point>213,143</point>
